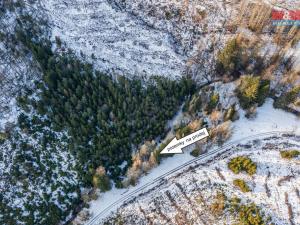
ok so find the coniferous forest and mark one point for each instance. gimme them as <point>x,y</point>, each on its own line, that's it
<point>105,117</point>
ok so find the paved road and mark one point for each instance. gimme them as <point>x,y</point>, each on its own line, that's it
<point>96,219</point>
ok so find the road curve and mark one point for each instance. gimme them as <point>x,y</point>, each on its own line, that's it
<point>135,192</point>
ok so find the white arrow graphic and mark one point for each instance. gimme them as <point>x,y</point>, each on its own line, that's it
<point>176,146</point>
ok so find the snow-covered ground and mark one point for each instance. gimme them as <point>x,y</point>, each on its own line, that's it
<point>138,38</point>
<point>142,38</point>
<point>33,175</point>
<point>168,38</point>
<point>120,43</point>
<point>288,4</point>
<point>267,119</point>
<point>17,72</point>
<point>274,187</point>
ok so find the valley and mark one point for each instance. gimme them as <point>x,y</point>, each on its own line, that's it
<point>92,92</point>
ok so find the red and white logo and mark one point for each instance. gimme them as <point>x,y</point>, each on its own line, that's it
<point>286,15</point>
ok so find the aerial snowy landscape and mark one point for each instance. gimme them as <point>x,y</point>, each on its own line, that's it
<point>268,123</point>
<point>95,92</point>
<point>188,196</point>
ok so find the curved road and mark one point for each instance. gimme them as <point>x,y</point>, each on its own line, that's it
<point>134,193</point>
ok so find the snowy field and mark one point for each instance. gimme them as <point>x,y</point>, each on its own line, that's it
<point>268,119</point>
<point>168,38</point>
<point>142,38</point>
<point>274,187</point>
<point>120,42</point>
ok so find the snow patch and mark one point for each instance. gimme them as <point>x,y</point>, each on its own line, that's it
<point>268,119</point>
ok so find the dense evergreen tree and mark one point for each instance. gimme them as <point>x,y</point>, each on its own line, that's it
<point>106,117</point>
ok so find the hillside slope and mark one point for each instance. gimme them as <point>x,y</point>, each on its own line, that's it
<point>194,195</point>
<point>72,124</point>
